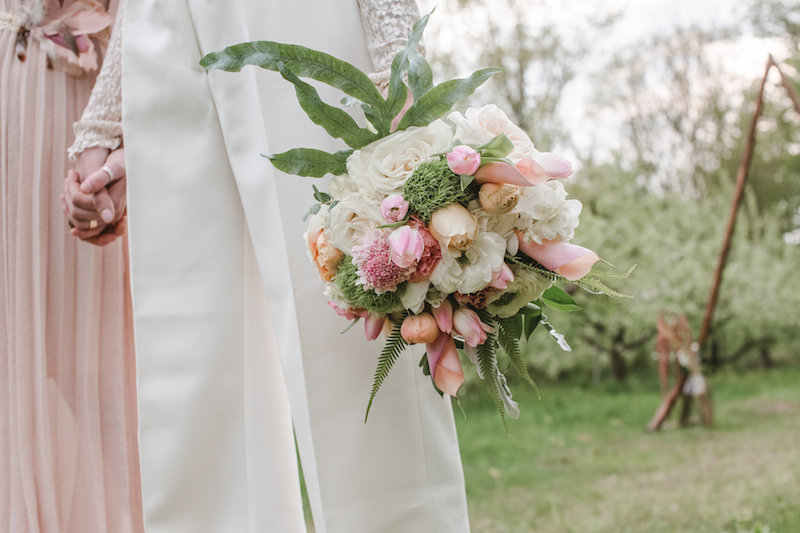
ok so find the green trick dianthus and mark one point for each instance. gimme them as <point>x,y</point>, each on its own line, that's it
<point>434,185</point>
<point>377,304</point>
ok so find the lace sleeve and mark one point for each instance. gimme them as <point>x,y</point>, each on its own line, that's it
<point>101,123</point>
<point>386,24</point>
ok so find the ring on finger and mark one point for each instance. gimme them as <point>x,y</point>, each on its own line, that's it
<point>92,224</point>
<point>108,171</point>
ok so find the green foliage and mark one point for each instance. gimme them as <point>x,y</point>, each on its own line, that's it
<point>433,185</point>
<point>310,162</point>
<point>334,120</point>
<point>395,344</point>
<point>377,304</point>
<point>557,298</point>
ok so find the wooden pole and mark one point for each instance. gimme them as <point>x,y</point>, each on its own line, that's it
<point>669,400</point>
<point>741,179</point>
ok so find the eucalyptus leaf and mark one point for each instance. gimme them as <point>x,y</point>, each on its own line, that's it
<point>465,180</point>
<point>310,162</point>
<point>440,99</point>
<point>304,62</point>
<point>557,298</point>
<point>334,120</point>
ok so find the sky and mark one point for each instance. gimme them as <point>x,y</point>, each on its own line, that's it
<point>743,57</point>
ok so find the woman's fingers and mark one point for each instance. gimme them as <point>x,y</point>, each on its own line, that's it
<point>111,171</point>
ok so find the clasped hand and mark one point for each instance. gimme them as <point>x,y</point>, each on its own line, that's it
<point>94,196</point>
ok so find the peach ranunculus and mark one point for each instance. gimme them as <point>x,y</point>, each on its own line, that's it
<point>421,328</point>
<point>498,198</point>
<point>565,259</point>
<point>454,227</point>
<point>324,254</point>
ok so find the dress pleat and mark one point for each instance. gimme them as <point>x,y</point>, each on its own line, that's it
<point>68,433</point>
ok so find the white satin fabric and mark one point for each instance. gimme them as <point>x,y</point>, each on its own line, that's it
<point>220,374</point>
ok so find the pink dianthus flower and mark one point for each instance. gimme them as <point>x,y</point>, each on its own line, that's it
<point>376,270</point>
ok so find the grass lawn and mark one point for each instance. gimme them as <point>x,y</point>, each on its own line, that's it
<point>579,460</point>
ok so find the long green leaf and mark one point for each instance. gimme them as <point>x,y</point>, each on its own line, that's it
<point>440,99</point>
<point>334,120</point>
<point>420,74</point>
<point>395,344</point>
<point>397,94</point>
<point>304,62</point>
<point>310,162</point>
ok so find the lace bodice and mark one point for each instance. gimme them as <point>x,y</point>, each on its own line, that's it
<point>386,25</point>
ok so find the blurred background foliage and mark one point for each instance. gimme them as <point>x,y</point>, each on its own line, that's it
<point>655,125</point>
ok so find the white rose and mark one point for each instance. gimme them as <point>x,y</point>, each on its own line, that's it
<point>384,166</point>
<point>475,270</point>
<point>479,126</point>
<point>546,213</point>
<point>351,219</point>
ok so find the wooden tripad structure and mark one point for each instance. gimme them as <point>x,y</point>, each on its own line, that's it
<point>672,396</point>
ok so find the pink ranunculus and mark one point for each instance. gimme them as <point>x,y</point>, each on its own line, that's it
<point>503,278</point>
<point>394,208</point>
<point>431,255</point>
<point>463,159</point>
<point>350,313</point>
<point>373,325</point>
<point>444,364</point>
<point>444,316</point>
<point>468,324</point>
<point>407,246</point>
<point>568,260</point>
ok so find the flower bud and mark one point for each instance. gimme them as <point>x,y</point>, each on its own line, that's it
<point>454,227</point>
<point>419,328</point>
<point>407,246</point>
<point>394,208</point>
<point>444,316</point>
<point>503,278</point>
<point>373,326</point>
<point>498,198</point>
<point>468,324</point>
<point>463,159</point>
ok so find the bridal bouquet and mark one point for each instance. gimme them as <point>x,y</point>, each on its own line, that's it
<point>439,228</point>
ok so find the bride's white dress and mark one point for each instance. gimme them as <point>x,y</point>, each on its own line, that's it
<point>225,300</point>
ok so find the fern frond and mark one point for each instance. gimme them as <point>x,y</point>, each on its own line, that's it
<point>487,361</point>
<point>508,334</point>
<point>395,344</point>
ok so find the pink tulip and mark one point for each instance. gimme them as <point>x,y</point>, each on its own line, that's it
<point>463,160</point>
<point>543,167</point>
<point>502,278</point>
<point>468,324</point>
<point>568,260</point>
<point>350,313</point>
<point>394,208</point>
<point>444,364</point>
<point>444,316</point>
<point>407,246</point>
<point>373,325</point>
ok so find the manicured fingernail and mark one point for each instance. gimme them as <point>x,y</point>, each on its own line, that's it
<point>107,215</point>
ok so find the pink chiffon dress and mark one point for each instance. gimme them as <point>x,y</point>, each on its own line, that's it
<point>68,434</point>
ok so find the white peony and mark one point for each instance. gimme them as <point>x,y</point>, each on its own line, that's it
<point>479,126</point>
<point>351,219</point>
<point>474,270</point>
<point>544,212</point>
<point>383,166</point>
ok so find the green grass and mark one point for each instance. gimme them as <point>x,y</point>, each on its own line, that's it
<point>579,460</point>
